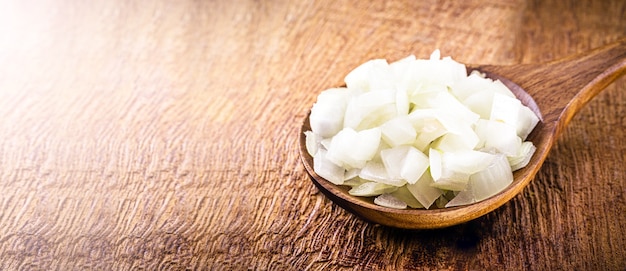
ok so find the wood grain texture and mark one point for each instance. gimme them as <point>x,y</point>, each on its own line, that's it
<point>163,135</point>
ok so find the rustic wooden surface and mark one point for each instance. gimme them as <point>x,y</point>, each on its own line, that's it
<point>163,135</point>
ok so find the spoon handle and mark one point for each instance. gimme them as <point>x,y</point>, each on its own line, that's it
<point>561,88</point>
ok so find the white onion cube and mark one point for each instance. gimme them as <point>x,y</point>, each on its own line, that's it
<point>371,75</point>
<point>326,169</point>
<point>423,190</point>
<point>352,149</point>
<point>327,114</point>
<point>492,179</point>
<point>398,131</point>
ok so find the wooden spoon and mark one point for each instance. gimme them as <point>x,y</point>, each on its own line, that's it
<point>555,91</point>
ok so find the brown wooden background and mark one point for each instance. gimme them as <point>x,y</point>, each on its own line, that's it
<point>162,135</point>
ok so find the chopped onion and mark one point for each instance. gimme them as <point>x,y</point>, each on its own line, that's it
<point>404,162</point>
<point>467,161</point>
<point>420,133</point>
<point>327,113</point>
<point>351,173</point>
<point>352,149</point>
<point>499,136</point>
<point>427,126</point>
<point>414,165</point>
<point>369,189</point>
<point>371,75</point>
<point>388,200</point>
<point>480,102</point>
<point>526,122</point>
<point>423,190</point>
<point>398,131</point>
<point>370,109</point>
<point>462,198</point>
<point>492,179</point>
<point>354,182</point>
<point>520,160</point>
<point>326,169</point>
<point>406,196</point>
<point>375,171</point>
<point>312,142</point>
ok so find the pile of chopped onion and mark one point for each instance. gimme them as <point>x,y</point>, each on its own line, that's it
<point>419,132</point>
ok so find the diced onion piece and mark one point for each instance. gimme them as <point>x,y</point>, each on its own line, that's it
<point>498,136</point>
<point>444,177</point>
<point>404,82</point>
<point>499,87</point>
<point>325,143</point>
<point>312,142</point>
<point>399,70</point>
<point>493,179</point>
<point>520,160</point>
<point>427,126</point>
<point>406,196</point>
<point>452,180</point>
<point>352,149</point>
<point>457,141</point>
<point>435,158</point>
<point>354,182</point>
<point>369,189</point>
<point>452,170</point>
<point>486,183</point>
<point>459,133</point>
<point>425,96</point>
<point>388,200</point>
<point>370,109</point>
<point>526,122</point>
<point>461,198</point>
<point>326,169</point>
<point>402,102</point>
<point>470,85</point>
<point>375,171</point>
<point>436,71</point>
<point>435,55</point>
<point>327,113</point>
<point>446,102</point>
<point>405,163</point>
<point>392,160</point>
<point>414,165</point>
<point>377,118</point>
<point>443,200</point>
<point>423,191</point>
<point>371,75</point>
<point>398,131</point>
<point>467,161</point>
<point>351,174</point>
<point>480,102</point>
<point>511,111</point>
<point>505,109</point>
<point>400,67</point>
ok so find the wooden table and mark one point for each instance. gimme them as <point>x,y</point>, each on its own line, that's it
<point>164,134</point>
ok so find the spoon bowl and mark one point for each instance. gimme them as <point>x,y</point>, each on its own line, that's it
<point>555,91</point>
